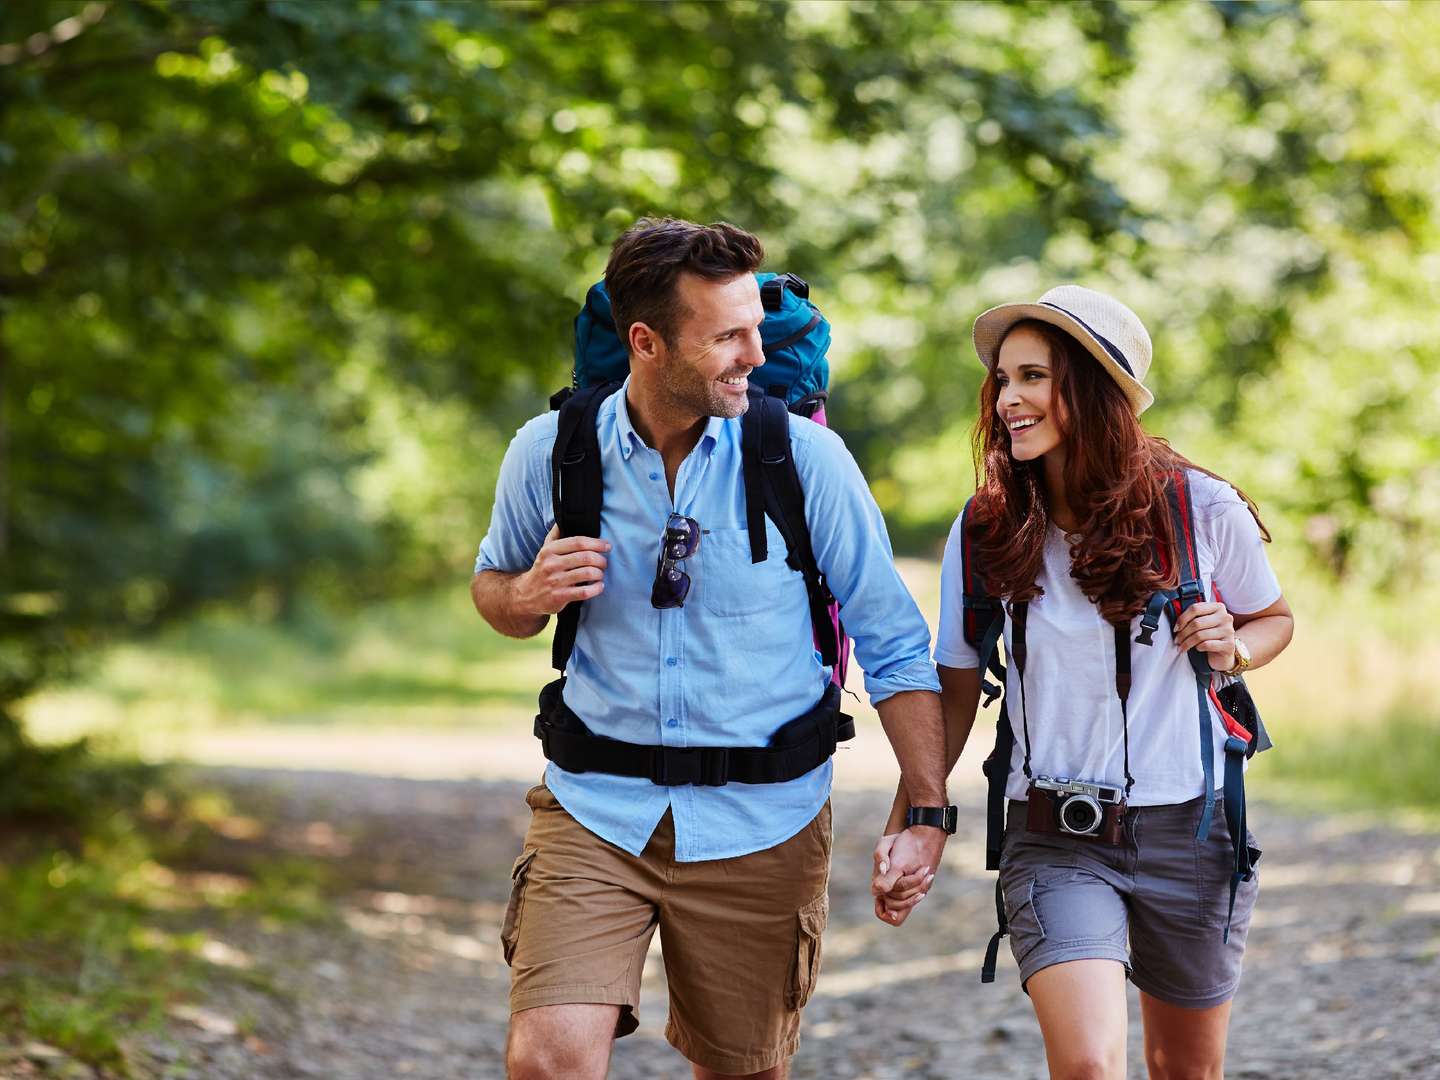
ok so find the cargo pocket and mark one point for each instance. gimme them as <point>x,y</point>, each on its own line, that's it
<point>1023,919</point>
<point>510,926</point>
<point>811,925</point>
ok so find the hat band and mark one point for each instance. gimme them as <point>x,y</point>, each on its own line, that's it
<point>1115,354</point>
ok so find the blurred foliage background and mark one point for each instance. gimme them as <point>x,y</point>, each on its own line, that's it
<point>279,279</point>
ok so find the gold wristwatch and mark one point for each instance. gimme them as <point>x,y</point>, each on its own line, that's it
<point>1242,658</point>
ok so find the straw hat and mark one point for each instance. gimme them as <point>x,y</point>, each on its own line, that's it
<point>1109,330</point>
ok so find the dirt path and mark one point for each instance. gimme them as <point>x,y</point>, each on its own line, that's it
<point>1342,978</point>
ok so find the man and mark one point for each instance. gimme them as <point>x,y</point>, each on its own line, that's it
<point>735,875</point>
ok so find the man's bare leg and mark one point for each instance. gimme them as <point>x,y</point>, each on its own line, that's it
<point>552,1041</point>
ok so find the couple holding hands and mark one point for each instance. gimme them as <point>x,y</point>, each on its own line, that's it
<point>1126,870</point>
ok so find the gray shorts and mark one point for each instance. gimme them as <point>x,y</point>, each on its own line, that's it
<point>1156,905</point>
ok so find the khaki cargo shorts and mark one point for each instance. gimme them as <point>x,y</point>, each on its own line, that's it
<point>740,937</point>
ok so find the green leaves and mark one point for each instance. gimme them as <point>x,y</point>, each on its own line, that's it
<point>315,248</point>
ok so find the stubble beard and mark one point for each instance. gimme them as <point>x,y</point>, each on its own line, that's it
<point>690,393</point>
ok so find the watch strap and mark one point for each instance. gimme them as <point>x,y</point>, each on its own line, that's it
<point>945,818</point>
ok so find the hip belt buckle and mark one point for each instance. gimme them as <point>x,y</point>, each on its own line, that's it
<point>703,766</point>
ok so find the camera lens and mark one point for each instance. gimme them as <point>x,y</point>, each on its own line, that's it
<point>1080,814</point>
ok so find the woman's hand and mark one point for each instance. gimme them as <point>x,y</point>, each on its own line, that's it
<point>894,907</point>
<point>1210,628</point>
<point>896,894</point>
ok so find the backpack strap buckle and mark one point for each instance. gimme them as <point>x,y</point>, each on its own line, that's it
<point>1150,618</point>
<point>703,766</point>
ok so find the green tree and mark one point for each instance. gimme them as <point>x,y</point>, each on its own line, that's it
<point>234,236</point>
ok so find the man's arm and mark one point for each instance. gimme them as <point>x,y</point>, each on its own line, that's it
<point>915,728</point>
<point>959,702</point>
<point>913,723</point>
<point>565,569</point>
<point>897,892</point>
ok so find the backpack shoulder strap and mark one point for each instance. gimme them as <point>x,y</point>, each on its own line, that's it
<point>983,623</point>
<point>772,486</point>
<point>576,491</point>
<point>1174,603</point>
<point>983,618</point>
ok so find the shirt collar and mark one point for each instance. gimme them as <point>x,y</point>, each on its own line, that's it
<point>630,438</point>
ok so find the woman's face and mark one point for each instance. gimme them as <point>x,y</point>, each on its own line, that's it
<point>1028,404</point>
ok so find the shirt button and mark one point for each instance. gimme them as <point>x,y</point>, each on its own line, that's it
<point>672,722</point>
<point>670,661</point>
<point>654,476</point>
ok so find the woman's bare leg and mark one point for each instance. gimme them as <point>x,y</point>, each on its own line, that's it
<point>1184,1044</point>
<point>1081,1008</point>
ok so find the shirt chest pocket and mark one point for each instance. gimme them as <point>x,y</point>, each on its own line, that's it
<point>730,584</point>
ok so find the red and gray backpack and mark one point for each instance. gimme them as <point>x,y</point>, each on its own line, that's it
<point>795,338</point>
<point>983,625</point>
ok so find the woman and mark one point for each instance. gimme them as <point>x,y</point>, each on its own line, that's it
<point>1070,512</point>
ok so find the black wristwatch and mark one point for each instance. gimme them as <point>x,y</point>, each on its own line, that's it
<point>937,817</point>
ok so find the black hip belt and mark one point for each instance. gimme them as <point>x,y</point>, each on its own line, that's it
<point>796,748</point>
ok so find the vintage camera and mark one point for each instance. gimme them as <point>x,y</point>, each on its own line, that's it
<point>1059,804</point>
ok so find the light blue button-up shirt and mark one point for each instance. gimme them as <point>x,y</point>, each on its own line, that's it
<point>737,660</point>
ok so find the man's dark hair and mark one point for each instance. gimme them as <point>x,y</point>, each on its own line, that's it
<point>647,261</point>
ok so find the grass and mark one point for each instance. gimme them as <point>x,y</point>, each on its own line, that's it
<point>1380,766</point>
<point>1353,704</point>
<point>423,662</point>
<point>107,926</point>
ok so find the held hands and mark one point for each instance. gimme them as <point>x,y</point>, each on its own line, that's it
<point>1209,628</point>
<point>565,569</point>
<point>905,865</point>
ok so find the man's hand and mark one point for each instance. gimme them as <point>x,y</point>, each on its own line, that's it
<point>905,867</point>
<point>565,569</point>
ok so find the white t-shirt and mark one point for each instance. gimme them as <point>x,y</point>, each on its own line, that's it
<point>1073,710</point>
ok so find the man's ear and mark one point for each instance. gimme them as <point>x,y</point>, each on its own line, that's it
<point>646,345</point>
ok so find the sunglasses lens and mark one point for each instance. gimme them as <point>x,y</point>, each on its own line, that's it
<point>682,536</point>
<point>671,588</point>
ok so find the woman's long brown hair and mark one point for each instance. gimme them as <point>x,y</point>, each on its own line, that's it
<point>1114,477</point>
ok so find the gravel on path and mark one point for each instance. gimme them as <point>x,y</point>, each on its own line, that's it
<point>1341,977</point>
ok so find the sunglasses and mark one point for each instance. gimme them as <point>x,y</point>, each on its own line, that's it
<point>681,540</point>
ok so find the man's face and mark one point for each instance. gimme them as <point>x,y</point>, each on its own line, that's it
<point>716,345</point>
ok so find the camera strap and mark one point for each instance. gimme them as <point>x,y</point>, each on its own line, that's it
<point>1019,612</point>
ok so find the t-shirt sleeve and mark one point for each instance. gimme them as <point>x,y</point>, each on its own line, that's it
<point>951,648</point>
<point>1243,578</point>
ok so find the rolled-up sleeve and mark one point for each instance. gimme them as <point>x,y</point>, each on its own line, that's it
<point>523,513</point>
<point>852,548</point>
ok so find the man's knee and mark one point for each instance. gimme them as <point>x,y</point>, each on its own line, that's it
<point>778,1072</point>
<point>534,1060</point>
<point>571,1041</point>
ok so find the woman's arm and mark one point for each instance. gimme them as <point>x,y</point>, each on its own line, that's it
<point>959,701</point>
<point>1213,629</point>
